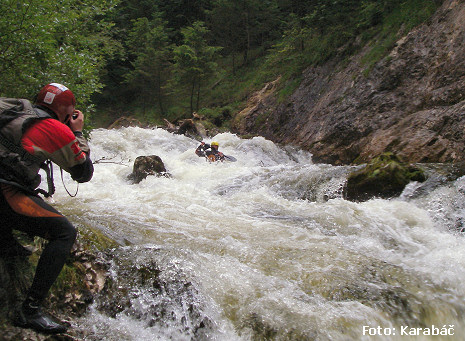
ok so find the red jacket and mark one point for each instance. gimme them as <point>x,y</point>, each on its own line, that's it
<point>53,140</point>
<point>29,136</point>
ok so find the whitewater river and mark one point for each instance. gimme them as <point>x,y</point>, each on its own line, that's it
<point>265,248</point>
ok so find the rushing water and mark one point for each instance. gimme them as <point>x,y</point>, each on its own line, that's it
<point>265,248</point>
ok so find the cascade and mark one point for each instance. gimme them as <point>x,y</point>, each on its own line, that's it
<point>265,247</point>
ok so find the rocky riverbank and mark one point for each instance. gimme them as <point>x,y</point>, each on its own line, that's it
<point>411,103</point>
<point>83,276</point>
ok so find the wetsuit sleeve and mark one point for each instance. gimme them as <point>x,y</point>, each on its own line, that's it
<point>82,172</point>
<point>53,140</point>
<point>200,151</point>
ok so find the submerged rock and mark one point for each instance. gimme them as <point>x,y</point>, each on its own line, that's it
<point>384,177</point>
<point>147,285</point>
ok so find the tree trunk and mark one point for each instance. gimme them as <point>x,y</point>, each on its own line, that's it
<point>198,97</point>
<point>192,95</point>
<point>234,63</point>
<point>160,99</point>
<point>247,30</point>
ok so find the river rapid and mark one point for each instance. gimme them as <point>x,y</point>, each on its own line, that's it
<point>264,248</point>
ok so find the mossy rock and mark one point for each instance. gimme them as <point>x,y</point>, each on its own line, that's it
<point>384,177</point>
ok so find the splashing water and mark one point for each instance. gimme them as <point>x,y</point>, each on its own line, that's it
<point>264,248</point>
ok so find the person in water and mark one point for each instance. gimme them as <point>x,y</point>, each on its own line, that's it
<point>31,134</point>
<point>210,151</point>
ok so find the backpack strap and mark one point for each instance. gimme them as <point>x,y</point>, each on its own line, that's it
<point>41,113</point>
<point>48,168</point>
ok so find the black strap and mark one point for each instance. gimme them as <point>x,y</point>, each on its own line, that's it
<point>15,184</point>
<point>63,181</point>
<point>48,168</point>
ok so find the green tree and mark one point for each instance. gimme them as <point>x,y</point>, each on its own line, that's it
<point>225,21</point>
<point>294,37</point>
<point>194,61</point>
<point>148,41</point>
<point>45,40</point>
<point>241,26</point>
<point>182,13</point>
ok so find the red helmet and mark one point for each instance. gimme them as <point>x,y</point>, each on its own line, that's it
<point>57,98</point>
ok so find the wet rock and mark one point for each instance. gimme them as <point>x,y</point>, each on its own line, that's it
<point>191,127</point>
<point>201,130</point>
<point>384,177</point>
<point>437,174</point>
<point>187,126</point>
<point>125,121</point>
<point>149,287</point>
<point>145,166</point>
<point>83,276</point>
<point>410,103</point>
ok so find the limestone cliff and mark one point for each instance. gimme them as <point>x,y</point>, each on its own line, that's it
<point>411,103</point>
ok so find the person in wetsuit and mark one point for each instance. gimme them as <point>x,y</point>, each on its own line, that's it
<point>30,134</point>
<point>210,151</point>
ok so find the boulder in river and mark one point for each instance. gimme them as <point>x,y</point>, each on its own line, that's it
<point>147,165</point>
<point>125,121</point>
<point>385,177</point>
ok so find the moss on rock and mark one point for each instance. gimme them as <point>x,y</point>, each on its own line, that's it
<point>385,177</point>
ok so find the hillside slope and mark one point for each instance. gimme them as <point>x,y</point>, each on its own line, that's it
<point>412,102</point>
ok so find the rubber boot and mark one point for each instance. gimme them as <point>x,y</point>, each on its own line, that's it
<point>30,315</point>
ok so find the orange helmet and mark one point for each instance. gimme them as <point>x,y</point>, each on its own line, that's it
<point>57,98</point>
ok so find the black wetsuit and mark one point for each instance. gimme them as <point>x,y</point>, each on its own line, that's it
<point>44,138</point>
<point>31,214</point>
<point>211,153</point>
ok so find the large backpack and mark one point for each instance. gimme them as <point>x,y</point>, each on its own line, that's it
<point>17,166</point>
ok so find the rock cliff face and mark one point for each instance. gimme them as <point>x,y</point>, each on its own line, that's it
<point>411,103</point>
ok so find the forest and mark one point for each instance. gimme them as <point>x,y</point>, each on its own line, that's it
<point>156,59</point>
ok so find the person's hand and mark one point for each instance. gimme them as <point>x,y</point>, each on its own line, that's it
<point>76,122</point>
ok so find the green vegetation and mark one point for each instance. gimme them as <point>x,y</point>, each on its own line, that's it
<point>404,17</point>
<point>157,59</point>
<point>44,41</point>
<point>385,176</point>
